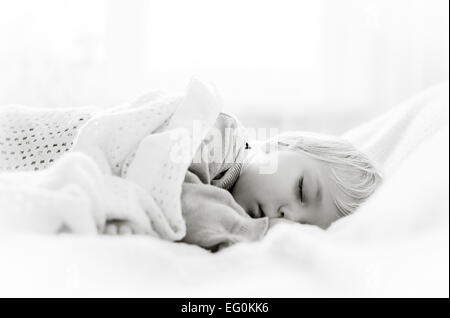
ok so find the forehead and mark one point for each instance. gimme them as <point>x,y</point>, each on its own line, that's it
<point>300,160</point>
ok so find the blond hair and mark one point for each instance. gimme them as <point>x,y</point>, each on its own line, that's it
<point>352,170</point>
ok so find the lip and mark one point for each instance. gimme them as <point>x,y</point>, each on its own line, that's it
<point>260,211</point>
<point>255,212</point>
<point>252,213</point>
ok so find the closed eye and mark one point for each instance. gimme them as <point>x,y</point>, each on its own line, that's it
<point>300,188</point>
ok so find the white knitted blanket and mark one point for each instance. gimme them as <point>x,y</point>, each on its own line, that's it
<point>73,169</point>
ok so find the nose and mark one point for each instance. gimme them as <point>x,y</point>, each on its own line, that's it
<point>272,211</point>
<point>292,213</point>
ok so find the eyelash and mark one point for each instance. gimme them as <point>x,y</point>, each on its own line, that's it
<point>300,187</point>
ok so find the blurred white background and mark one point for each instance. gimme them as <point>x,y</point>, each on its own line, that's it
<point>321,65</point>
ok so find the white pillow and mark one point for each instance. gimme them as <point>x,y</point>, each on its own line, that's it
<point>413,200</point>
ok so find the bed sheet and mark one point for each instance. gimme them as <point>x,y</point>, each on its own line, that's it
<point>396,245</point>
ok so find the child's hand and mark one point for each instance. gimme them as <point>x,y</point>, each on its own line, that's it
<point>120,227</point>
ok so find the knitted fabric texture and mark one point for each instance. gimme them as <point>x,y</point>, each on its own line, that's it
<point>32,139</point>
<point>135,136</point>
<point>118,163</point>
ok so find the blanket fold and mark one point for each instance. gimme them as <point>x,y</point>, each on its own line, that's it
<point>213,218</point>
<point>130,163</point>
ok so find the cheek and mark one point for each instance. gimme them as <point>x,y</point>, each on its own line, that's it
<point>263,188</point>
<point>242,195</point>
<point>245,185</point>
<point>259,182</point>
<point>247,189</point>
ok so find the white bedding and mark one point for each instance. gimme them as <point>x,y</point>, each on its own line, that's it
<point>395,245</point>
<point>112,171</point>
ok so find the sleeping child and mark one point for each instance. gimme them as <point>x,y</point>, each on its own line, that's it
<point>317,179</point>
<point>227,195</point>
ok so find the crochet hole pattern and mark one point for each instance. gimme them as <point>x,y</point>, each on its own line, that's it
<point>33,140</point>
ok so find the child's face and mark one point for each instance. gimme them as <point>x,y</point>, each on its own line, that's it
<point>278,195</point>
